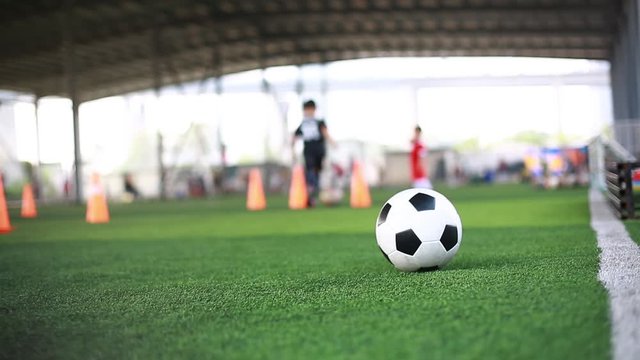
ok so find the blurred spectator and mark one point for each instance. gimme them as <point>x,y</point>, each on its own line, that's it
<point>130,189</point>
<point>418,157</point>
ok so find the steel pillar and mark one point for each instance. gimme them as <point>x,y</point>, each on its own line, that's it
<point>157,86</point>
<point>71,77</point>
<point>625,64</point>
<point>324,90</point>
<point>37,172</point>
<point>36,105</point>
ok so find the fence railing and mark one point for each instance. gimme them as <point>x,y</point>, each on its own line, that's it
<point>612,169</point>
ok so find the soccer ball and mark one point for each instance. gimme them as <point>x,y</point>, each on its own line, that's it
<point>418,230</point>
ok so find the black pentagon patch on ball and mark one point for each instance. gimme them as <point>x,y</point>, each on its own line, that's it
<point>384,213</point>
<point>449,237</point>
<point>385,254</point>
<point>407,242</point>
<point>423,202</point>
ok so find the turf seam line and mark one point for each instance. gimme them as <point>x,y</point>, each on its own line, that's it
<point>620,275</point>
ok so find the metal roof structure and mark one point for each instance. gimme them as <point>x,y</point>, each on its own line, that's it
<point>88,49</point>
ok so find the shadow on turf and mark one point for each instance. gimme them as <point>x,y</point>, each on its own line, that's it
<point>482,263</point>
<point>474,264</point>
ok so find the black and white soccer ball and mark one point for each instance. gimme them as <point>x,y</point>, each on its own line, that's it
<point>418,230</point>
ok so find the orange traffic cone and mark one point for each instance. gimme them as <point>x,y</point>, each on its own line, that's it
<point>5,224</point>
<point>298,191</point>
<point>255,192</point>
<point>360,196</point>
<point>97,209</point>
<point>29,209</point>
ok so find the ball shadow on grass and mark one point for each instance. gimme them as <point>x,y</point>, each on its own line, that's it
<point>482,263</point>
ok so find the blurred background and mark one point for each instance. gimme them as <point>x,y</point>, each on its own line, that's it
<point>183,98</point>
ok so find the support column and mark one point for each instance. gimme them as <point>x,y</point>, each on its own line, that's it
<point>299,88</point>
<point>617,82</point>
<point>632,59</point>
<point>625,64</point>
<point>218,66</point>
<point>324,90</point>
<point>157,86</point>
<point>636,48</point>
<point>36,105</point>
<point>266,90</point>
<point>625,76</point>
<point>299,83</point>
<point>221,146</point>
<point>161,167</point>
<point>38,168</point>
<point>75,105</point>
<point>71,76</point>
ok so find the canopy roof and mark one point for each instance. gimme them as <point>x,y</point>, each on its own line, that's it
<point>93,48</point>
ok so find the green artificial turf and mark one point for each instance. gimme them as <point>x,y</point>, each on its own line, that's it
<point>633,227</point>
<point>206,279</point>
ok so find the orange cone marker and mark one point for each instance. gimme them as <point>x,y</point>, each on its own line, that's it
<point>360,195</point>
<point>5,224</point>
<point>256,200</point>
<point>97,208</point>
<point>29,209</point>
<point>298,196</point>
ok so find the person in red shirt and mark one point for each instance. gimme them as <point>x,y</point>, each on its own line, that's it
<point>419,173</point>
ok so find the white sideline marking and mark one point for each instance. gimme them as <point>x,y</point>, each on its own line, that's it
<point>620,274</point>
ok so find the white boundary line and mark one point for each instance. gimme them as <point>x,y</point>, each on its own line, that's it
<point>620,275</point>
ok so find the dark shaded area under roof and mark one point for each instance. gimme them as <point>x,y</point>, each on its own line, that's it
<point>120,46</point>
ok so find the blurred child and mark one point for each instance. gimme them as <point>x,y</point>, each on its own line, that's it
<point>314,134</point>
<point>418,157</point>
<point>130,189</point>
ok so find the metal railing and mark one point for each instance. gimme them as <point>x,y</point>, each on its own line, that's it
<point>612,168</point>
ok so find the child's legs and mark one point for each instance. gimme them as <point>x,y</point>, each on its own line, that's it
<point>422,183</point>
<point>313,164</point>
